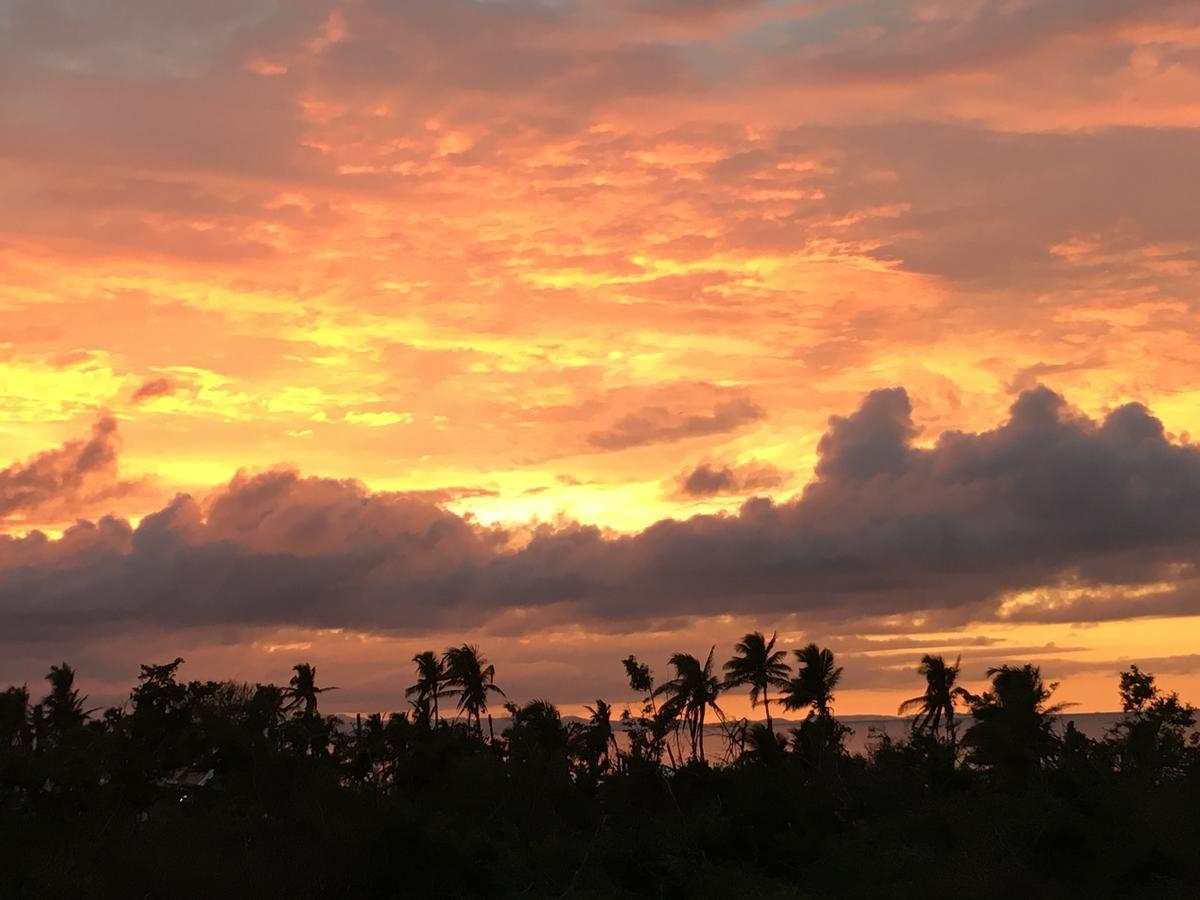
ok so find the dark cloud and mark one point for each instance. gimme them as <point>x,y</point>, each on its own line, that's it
<point>70,477</point>
<point>658,425</point>
<point>710,479</point>
<point>905,42</point>
<point>157,387</point>
<point>1048,501</point>
<point>1029,376</point>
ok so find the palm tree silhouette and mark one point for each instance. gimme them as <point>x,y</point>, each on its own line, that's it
<point>599,741</point>
<point>63,707</point>
<point>763,746</point>
<point>937,703</point>
<point>759,665</point>
<point>537,735</point>
<point>649,732</point>
<point>431,676</point>
<point>470,678</point>
<point>1012,732</point>
<point>690,694</point>
<point>814,683</point>
<point>302,689</point>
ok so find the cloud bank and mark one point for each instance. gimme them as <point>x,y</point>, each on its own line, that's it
<point>1102,517</point>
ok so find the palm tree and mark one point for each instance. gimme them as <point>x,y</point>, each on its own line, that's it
<point>814,683</point>
<point>1012,732</point>
<point>63,707</point>
<point>819,738</point>
<point>937,703</point>
<point>470,678</point>
<point>431,676</point>
<point>598,737</point>
<point>690,694</point>
<point>649,732</point>
<point>763,746</point>
<point>537,735</point>
<point>302,689</point>
<point>759,665</point>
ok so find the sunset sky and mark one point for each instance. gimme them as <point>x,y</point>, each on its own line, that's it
<point>335,331</point>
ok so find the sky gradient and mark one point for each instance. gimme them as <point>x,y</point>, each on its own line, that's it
<point>336,331</point>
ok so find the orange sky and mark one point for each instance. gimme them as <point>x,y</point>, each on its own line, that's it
<point>520,268</point>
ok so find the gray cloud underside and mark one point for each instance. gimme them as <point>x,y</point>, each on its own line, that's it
<point>886,528</point>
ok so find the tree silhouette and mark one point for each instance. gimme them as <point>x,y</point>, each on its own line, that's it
<point>302,689</point>
<point>160,715</point>
<point>819,737</point>
<point>814,683</point>
<point>471,679</point>
<point>1011,733</point>
<point>690,694</point>
<point>63,707</point>
<point>764,746</point>
<point>15,730</point>
<point>598,743</point>
<point>265,712</point>
<point>760,666</point>
<point>936,705</point>
<point>431,678</point>
<point>649,731</point>
<point>277,799</point>
<point>307,729</point>
<point>1150,740</point>
<point>537,736</point>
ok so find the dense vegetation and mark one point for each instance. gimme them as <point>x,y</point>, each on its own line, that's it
<point>219,789</point>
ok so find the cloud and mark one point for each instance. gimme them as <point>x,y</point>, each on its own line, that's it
<point>922,40</point>
<point>149,390</point>
<point>949,532</point>
<point>1029,376</point>
<point>658,425</point>
<point>689,10</point>
<point>709,479</point>
<point>65,480</point>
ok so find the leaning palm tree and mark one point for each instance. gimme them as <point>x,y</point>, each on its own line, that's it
<point>471,679</point>
<point>690,694</point>
<point>937,703</point>
<point>302,689</point>
<point>757,665</point>
<point>431,678</point>
<point>814,682</point>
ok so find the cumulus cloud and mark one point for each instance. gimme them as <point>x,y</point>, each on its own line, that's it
<point>709,479</point>
<point>659,425</point>
<point>886,528</point>
<point>67,479</point>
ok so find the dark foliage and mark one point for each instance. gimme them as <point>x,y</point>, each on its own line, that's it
<point>219,789</point>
